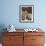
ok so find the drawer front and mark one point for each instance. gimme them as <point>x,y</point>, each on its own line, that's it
<point>27,41</point>
<point>34,33</point>
<point>8,44</point>
<point>33,39</point>
<point>37,45</point>
<point>12,39</point>
<point>12,45</point>
<point>37,39</point>
<point>13,33</point>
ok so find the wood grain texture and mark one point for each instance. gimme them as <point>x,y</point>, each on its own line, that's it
<point>23,39</point>
<point>34,39</point>
<point>13,39</point>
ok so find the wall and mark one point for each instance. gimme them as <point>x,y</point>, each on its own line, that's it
<point>10,13</point>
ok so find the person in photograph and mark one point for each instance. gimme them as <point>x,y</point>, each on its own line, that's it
<point>26,13</point>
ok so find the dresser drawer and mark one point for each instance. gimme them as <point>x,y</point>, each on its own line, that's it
<point>37,44</point>
<point>34,33</point>
<point>27,41</point>
<point>37,39</point>
<point>8,45</point>
<point>12,39</point>
<point>13,44</point>
<point>13,33</point>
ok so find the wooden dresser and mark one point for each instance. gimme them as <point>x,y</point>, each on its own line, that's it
<point>23,39</point>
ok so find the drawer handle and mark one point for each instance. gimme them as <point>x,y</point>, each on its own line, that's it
<point>11,38</point>
<point>33,39</point>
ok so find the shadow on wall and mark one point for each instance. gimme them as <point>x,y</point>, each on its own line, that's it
<point>2,26</point>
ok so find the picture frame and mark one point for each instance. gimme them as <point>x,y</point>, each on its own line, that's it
<point>26,13</point>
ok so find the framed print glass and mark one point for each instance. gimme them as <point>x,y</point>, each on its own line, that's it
<point>26,13</point>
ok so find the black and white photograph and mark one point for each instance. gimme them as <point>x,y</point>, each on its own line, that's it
<point>26,13</point>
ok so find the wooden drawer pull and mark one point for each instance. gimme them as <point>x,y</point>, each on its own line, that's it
<point>33,39</point>
<point>11,38</point>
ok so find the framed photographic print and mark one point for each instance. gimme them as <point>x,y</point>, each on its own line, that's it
<point>26,13</point>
